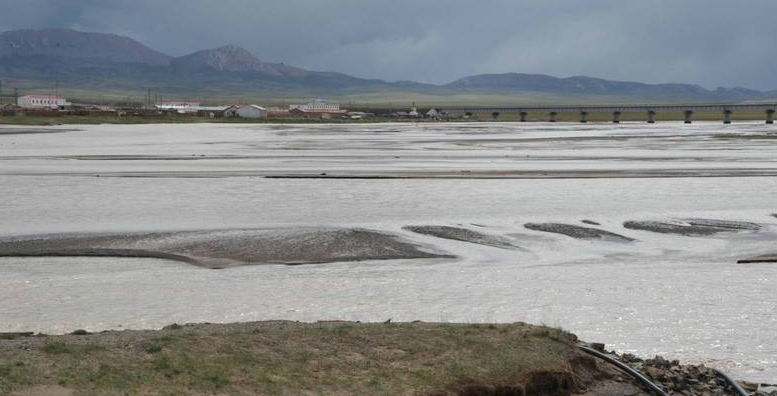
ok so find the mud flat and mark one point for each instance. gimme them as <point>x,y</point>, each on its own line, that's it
<point>424,174</point>
<point>462,234</point>
<point>32,131</point>
<point>226,248</point>
<point>766,258</point>
<point>577,232</point>
<point>692,227</point>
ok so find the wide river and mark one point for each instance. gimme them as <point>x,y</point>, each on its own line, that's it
<point>681,296</point>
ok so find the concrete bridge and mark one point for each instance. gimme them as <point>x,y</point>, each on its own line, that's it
<point>650,111</point>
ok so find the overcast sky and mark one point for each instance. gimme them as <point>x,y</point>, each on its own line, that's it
<point>708,42</point>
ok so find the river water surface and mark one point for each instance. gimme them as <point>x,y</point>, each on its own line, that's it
<point>681,296</point>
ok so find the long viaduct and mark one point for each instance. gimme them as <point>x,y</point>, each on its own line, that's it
<point>650,111</point>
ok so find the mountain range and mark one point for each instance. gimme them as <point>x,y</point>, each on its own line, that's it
<point>98,61</point>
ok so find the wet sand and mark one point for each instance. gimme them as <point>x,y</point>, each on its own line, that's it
<point>32,131</point>
<point>464,235</point>
<point>461,174</point>
<point>578,232</point>
<point>226,248</point>
<point>692,227</point>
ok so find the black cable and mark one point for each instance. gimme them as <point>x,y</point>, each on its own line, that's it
<point>733,383</point>
<point>655,388</point>
<point>634,373</point>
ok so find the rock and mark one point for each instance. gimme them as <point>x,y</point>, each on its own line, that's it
<point>658,361</point>
<point>597,346</point>
<point>590,222</point>
<point>577,232</point>
<point>629,358</point>
<point>655,373</point>
<point>80,332</point>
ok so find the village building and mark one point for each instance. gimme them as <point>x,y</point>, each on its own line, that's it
<point>317,113</point>
<point>42,101</point>
<point>230,111</point>
<point>180,107</point>
<point>318,105</point>
<point>251,111</point>
<point>211,111</point>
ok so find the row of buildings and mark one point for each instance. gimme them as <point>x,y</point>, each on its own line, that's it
<point>43,101</point>
<point>317,109</point>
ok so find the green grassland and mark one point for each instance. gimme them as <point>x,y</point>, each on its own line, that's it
<point>115,90</point>
<point>285,358</point>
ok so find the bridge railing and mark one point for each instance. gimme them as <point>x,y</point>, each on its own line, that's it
<point>650,110</point>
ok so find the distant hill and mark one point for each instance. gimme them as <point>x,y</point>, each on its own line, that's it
<point>98,62</point>
<point>65,43</point>
<point>580,85</point>
<point>106,61</point>
<point>230,58</point>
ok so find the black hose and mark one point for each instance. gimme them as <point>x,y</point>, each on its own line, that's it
<point>733,383</point>
<point>634,373</point>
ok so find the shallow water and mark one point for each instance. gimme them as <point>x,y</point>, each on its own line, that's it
<point>684,297</point>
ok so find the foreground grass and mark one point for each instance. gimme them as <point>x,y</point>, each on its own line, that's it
<point>284,358</point>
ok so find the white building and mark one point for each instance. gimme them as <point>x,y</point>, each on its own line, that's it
<point>251,111</point>
<point>180,107</point>
<point>50,101</point>
<point>319,105</point>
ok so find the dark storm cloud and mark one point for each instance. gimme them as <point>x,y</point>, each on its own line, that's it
<point>712,42</point>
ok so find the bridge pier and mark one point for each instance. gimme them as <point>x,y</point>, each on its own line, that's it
<point>651,115</point>
<point>523,116</point>
<point>727,116</point>
<point>552,116</point>
<point>583,117</point>
<point>616,117</point>
<point>688,116</point>
<point>770,116</point>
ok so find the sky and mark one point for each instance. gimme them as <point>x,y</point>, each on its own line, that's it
<point>708,42</point>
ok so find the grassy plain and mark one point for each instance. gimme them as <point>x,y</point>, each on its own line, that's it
<point>286,358</point>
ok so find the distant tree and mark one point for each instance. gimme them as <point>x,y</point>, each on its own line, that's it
<point>468,114</point>
<point>495,115</point>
